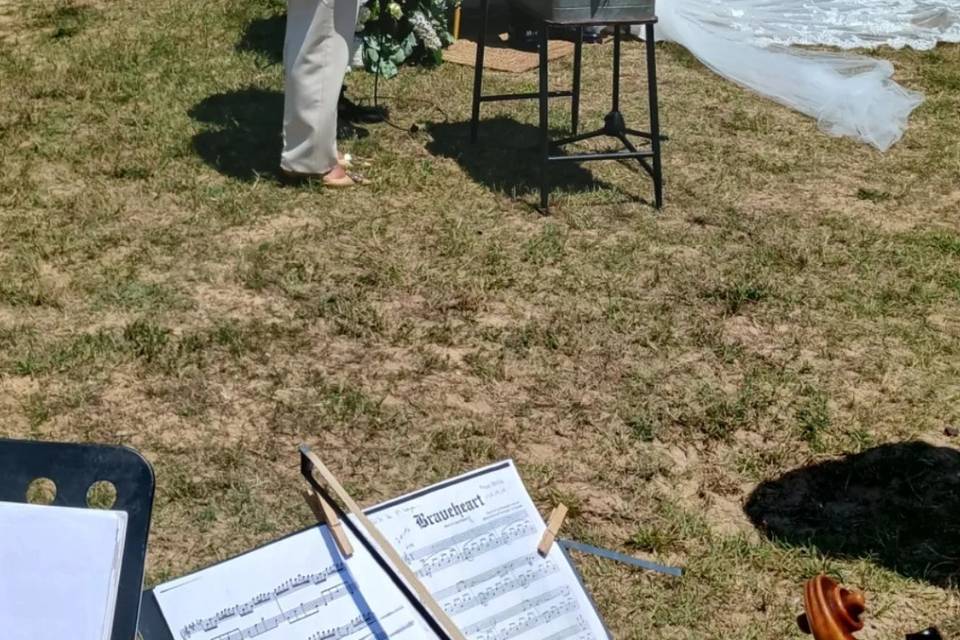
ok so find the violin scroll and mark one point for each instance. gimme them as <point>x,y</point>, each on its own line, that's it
<point>832,612</point>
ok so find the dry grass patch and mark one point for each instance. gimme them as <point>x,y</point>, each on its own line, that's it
<point>795,303</point>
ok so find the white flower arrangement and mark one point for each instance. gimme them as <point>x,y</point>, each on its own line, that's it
<point>425,31</point>
<point>398,32</point>
<point>362,16</point>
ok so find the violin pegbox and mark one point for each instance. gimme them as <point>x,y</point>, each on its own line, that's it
<point>831,612</point>
<point>835,613</point>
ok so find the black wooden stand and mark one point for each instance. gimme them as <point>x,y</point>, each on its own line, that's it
<point>614,123</point>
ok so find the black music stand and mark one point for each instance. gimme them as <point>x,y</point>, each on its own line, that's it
<point>74,468</point>
<point>614,125</point>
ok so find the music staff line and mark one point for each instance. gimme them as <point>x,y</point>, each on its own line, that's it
<point>358,623</point>
<point>393,633</point>
<point>528,621</point>
<point>529,614</point>
<point>296,614</point>
<point>517,609</point>
<point>571,631</point>
<point>520,580</point>
<point>287,588</point>
<point>464,536</point>
<point>480,578</point>
<point>475,545</point>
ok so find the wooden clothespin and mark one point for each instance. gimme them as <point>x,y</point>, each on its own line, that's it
<point>553,529</point>
<point>365,530</point>
<point>324,512</point>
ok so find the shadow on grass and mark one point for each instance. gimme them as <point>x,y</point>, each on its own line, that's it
<point>507,158</point>
<point>264,37</point>
<point>897,504</point>
<point>243,135</point>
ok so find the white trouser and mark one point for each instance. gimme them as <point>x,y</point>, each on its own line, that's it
<point>316,53</point>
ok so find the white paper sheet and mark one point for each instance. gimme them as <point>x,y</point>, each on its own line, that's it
<point>298,588</point>
<point>471,540</point>
<point>59,571</point>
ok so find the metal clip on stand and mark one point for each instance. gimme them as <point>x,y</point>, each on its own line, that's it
<point>614,123</point>
<point>376,544</point>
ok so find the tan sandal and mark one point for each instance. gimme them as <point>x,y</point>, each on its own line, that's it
<point>347,180</point>
<point>350,179</point>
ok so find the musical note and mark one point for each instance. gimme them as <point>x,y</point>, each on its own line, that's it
<point>443,544</point>
<point>470,544</point>
<point>285,589</point>
<point>348,629</point>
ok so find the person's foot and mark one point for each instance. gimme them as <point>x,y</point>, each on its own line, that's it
<point>336,177</point>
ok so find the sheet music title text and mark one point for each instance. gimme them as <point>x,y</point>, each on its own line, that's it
<point>454,511</point>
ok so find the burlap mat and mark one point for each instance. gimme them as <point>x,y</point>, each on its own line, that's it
<point>499,57</point>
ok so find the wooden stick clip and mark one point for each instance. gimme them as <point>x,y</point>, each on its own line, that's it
<point>367,532</point>
<point>325,513</point>
<point>553,529</point>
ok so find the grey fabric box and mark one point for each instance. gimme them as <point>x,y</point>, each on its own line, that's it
<point>582,11</point>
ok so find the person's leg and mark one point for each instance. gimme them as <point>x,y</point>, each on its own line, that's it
<point>353,41</point>
<point>315,60</point>
<point>345,25</point>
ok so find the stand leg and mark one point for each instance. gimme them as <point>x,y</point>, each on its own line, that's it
<point>616,69</point>
<point>478,72</point>
<point>575,101</point>
<point>544,125</point>
<point>654,117</point>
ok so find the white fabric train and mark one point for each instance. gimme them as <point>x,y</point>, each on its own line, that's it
<point>848,94</point>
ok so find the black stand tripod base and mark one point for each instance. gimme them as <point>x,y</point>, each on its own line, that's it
<point>614,125</point>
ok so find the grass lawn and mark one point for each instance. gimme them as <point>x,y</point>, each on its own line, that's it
<point>688,382</point>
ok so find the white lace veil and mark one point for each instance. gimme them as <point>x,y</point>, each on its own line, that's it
<point>848,94</point>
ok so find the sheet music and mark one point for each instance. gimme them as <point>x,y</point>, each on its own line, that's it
<point>59,571</point>
<point>473,542</point>
<point>299,588</point>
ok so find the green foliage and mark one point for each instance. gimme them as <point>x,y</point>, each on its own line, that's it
<point>384,55</point>
<point>738,295</point>
<point>643,424</point>
<point>654,539</point>
<point>396,32</point>
<point>145,339</point>
<point>813,418</point>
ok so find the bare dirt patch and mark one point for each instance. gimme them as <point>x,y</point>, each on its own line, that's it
<point>789,311</point>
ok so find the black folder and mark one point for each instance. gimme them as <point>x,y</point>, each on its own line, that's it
<point>74,468</point>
